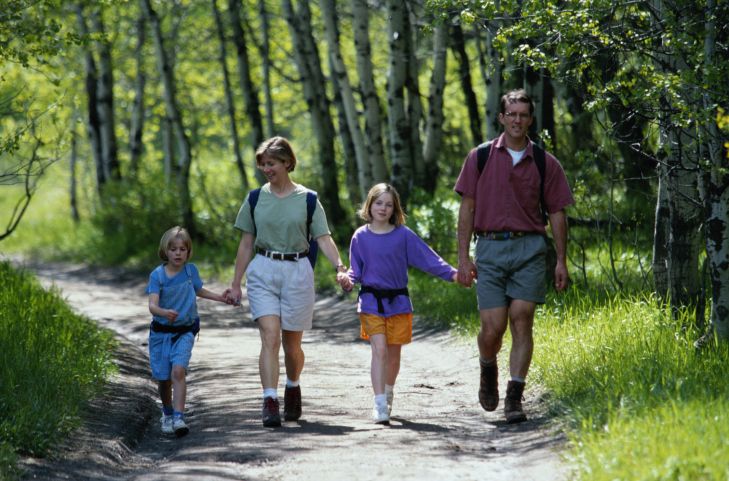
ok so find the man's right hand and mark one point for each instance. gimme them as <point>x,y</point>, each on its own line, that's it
<point>466,273</point>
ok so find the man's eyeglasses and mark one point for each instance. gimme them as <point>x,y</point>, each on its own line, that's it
<point>514,115</point>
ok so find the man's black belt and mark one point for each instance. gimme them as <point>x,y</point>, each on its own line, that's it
<point>380,294</point>
<point>178,330</point>
<point>281,256</point>
<point>501,235</point>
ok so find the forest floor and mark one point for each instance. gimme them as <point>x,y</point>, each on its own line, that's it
<point>438,430</point>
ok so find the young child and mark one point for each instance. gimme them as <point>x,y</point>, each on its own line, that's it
<point>380,253</point>
<point>172,289</point>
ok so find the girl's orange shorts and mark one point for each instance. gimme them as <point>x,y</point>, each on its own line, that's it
<point>398,329</point>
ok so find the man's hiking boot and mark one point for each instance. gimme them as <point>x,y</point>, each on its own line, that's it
<point>292,403</point>
<point>512,402</point>
<point>271,416</point>
<point>488,392</point>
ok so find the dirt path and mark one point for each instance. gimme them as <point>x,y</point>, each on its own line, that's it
<point>438,430</point>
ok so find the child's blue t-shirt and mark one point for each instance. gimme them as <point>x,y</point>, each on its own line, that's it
<point>177,292</point>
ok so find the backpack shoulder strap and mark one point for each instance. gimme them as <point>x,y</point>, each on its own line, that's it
<point>310,207</point>
<point>159,271</point>
<point>539,159</point>
<point>483,152</point>
<point>252,201</point>
<point>188,272</point>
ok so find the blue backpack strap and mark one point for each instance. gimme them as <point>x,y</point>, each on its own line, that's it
<point>159,270</point>
<point>313,245</point>
<point>187,271</point>
<point>252,201</point>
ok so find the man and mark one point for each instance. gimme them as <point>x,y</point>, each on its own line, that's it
<point>501,204</point>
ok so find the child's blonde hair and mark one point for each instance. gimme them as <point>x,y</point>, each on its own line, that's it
<point>176,232</point>
<point>397,217</point>
<point>277,148</point>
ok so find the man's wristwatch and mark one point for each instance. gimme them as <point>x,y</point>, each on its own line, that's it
<point>340,265</point>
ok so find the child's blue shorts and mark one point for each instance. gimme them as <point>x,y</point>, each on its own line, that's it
<point>163,354</point>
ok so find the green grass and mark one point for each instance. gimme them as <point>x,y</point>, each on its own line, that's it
<point>51,362</point>
<point>638,401</point>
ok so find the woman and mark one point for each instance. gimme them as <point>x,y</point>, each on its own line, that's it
<point>279,277</point>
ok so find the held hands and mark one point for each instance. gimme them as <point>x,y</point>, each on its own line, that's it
<point>232,296</point>
<point>344,281</point>
<point>466,273</point>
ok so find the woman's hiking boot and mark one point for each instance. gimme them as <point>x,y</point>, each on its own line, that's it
<point>292,403</point>
<point>512,402</point>
<point>488,392</point>
<point>270,414</point>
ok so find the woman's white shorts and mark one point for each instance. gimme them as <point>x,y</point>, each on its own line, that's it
<point>281,288</point>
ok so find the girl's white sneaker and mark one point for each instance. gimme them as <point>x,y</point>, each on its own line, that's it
<point>380,414</point>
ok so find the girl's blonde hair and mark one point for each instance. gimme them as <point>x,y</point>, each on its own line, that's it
<point>397,217</point>
<point>277,148</point>
<point>176,232</point>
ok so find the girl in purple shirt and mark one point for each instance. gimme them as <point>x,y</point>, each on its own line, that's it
<point>380,253</point>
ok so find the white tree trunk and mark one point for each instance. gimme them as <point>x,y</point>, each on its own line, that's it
<point>266,68</point>
<point>313,83</point>
<point>717,221</point>
<point>660,235</point>
<point>397,120</point>
<point>93,128</point>
<point>370,100</point>
<point>434,122</point>
<point>493,78</point>
<point>182,142</point>
<point>414,105</point>
<point>105,98</point>
<point>339,70</point>
<point>250,94</point>
<point>684,205</point>
<point>136,129</point>
<point>230,104</point>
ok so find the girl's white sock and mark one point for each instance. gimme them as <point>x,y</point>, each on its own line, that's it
<point>381,399</point>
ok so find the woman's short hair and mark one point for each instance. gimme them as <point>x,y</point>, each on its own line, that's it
<point>172,234</point>
<point>277,148</point>
<point>397,217</point>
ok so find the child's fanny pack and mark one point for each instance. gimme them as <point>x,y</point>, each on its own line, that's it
<point>194,328</point>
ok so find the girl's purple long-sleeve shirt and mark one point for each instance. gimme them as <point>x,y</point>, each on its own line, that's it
<point>381,261</point>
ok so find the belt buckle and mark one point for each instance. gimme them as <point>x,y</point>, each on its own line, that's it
<point>278,256</point>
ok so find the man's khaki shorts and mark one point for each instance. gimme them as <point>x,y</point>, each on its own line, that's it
<point>511,269</point>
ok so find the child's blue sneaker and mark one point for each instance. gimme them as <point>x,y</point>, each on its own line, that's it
<point>179,427</point>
